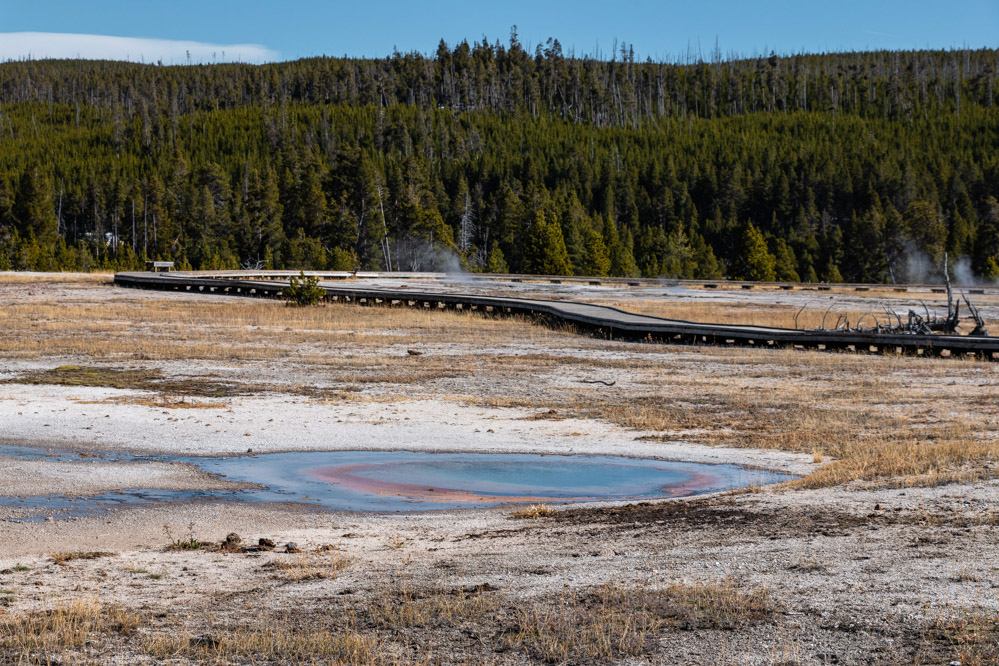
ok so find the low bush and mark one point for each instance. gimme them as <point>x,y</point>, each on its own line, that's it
<point>304,291</point>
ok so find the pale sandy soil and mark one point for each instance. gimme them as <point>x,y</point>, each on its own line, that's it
<point>862,572</point>
<point>87,418</point>
<point>34,477</point>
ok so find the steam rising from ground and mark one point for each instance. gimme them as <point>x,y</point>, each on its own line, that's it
<point>421,255</point>
<point>921,269</point>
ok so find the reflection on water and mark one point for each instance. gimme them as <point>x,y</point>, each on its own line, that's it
<point>410,481</point>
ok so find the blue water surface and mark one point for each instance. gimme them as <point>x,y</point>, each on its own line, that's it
<point>296,477</point>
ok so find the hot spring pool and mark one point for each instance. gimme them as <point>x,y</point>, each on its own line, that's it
<point>410,481</point>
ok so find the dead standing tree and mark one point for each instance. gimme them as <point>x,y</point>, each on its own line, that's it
<point>915,323</point>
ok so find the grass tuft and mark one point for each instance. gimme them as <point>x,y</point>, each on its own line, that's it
<point>971,640</point>
<point>534,511</point>
<point>189,542</point>
<point>70,556</point>
<point>310,566</point>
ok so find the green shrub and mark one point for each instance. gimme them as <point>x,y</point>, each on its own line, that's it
<point>303,291</point>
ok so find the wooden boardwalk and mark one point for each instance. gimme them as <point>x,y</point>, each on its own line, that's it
<point>603,320</point>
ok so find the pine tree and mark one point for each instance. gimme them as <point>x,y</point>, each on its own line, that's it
<point>928,229</point>
<point>678,257</point>
<point>311,213</point>
<point>262,233</point>
<point>544,249</point>
<point>595,258</point>
<point>991,271</point>
<point>496,263</point>
<point>6,205</point>
<point>831,273</point>
<point>33,210</point>
<point>987,247</point>
<point>706,265</point>
<point>784,262</point>
<point>754,260</point>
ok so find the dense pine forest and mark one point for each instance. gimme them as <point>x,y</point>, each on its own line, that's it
<point>836,167</point>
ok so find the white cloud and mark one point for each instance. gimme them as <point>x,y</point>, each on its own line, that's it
<point>39,45</point>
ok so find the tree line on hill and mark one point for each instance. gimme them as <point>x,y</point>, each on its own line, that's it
<point>837,167</point>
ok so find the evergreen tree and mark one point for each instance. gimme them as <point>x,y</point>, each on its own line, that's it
<point>706,265</point>
<point>595,259</point>
<point>7,220</point>
<point>33,210</point>
<point>754,260</point>
<point>831,273</point>
<point>544,249</point>
<point>928,229</point>
<point>679,260</point>
<point>496,263</point>
<point>784,262</point>
<point>262,233</point>
<point>445,158</point>
<point>987,255</point>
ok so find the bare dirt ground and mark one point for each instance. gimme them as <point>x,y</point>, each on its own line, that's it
<point>884,552</point>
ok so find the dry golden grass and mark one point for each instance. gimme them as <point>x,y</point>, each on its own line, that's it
<point>877,418</point>
<point>74,278</point>
<point>863,442</point>
<point>599,624</point>
<point>534,511</point>
<point>310,566</point>
<point>781,316</point>
<point>403,606</point>
<point>608,623</point>
<point>971,640</point>
<point>273,640</point>
<point>893,421</point>
<point>247,329</point>
<point>70,556</point>
<point>46,636</point>
<point>156,402</point>
<point>614,621</point>
<point>908,460</point>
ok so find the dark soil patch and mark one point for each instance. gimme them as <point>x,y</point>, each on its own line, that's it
<point>722,514</point>
<point>141,379</point>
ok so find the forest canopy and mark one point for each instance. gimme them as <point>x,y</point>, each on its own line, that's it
<point>484,156</point>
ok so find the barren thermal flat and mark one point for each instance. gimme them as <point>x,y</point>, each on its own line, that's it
<point>883,552</point>
<point>39,477</point>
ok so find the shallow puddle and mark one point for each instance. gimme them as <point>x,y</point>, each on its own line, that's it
<point>410,481</point>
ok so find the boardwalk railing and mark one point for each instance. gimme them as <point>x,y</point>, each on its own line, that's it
<point>607,321</point>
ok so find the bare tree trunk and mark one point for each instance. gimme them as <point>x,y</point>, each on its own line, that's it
<point>386,251</point>
<point>59,212</point>
<point>467,228</point>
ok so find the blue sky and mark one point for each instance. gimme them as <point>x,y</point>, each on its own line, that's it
<point>258,31</point>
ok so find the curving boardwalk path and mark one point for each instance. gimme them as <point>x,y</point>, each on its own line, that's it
<point>604,320</point>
